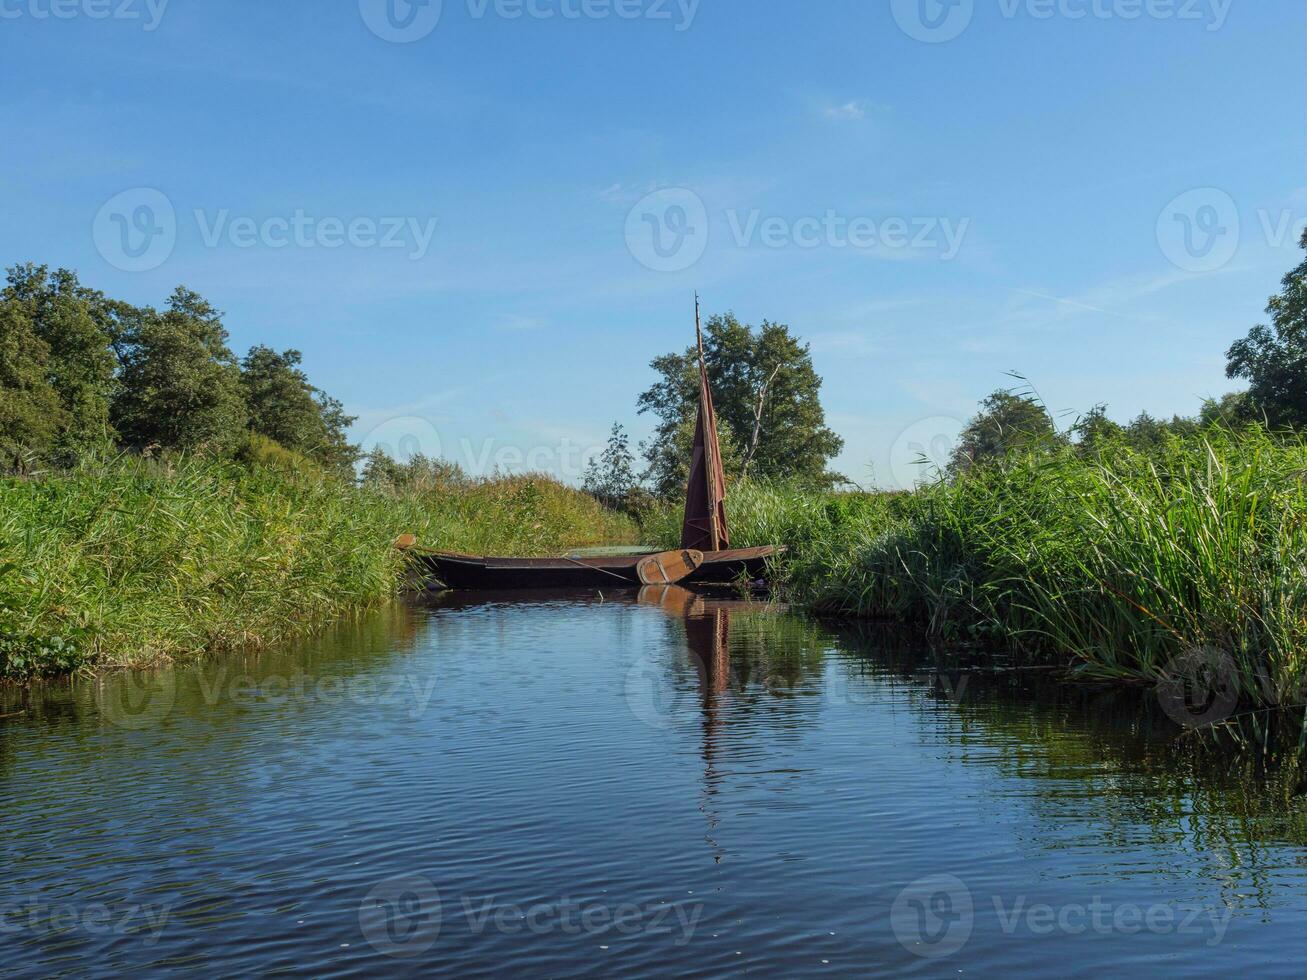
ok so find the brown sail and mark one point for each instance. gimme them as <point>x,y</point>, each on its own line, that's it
<point>704,528</point>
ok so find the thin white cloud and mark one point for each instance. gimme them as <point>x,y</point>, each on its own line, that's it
<point>848,112</point>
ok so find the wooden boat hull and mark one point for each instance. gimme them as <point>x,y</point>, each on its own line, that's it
<point>456,571</point>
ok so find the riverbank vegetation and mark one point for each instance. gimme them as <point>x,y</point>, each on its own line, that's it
<point>128,561</point>
<point>1118,562</point>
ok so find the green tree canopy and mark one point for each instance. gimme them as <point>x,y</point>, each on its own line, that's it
<point>1007,422</point>
<point>286,408</point>
<point>181,385</point>
<point>32,416</point>
<point>767,397</point>
<point>1274,359</point>
<point>1234,408</point>
<point>610,477</point>
<point>1096,433</point>
<point>78,360</point>
<point>669,457</point>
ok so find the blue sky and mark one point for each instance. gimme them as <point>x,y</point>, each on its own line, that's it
<point>1100,194</point>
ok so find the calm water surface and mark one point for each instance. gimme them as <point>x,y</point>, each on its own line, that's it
<point>567,787</point>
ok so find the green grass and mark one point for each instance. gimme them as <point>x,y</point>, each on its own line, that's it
<point>128,561</point>
<point>1116,566</point>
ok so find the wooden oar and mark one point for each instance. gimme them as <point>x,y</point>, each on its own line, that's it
<point>406,542</point>
<point>668,567</point>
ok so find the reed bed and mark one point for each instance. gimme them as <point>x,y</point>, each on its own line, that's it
<point>1117,565</point>
<point>128,562</point>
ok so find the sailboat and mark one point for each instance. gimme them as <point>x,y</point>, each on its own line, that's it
<point>705,554</point>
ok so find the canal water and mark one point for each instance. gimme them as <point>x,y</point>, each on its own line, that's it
<point>577,785</point>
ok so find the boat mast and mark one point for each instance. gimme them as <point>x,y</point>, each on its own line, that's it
<point>710,451</point>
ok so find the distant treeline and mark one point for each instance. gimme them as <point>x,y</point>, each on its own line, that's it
<point>80,371</point>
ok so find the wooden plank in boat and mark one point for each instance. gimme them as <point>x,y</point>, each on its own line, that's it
<point>668,567</point>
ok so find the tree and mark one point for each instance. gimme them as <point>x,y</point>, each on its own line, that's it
<point>1007,423</point>
<point>180,383</point>
<point>767,397</point>
<point>610,477</point>
<point>1275,363</point>
<point>670,456</point>
<point>79,363</point>
<point>1231,409</point>
<point>1095,432</point>
<point>286,408</point>
<point>419,474</point>
<point>32,416</point>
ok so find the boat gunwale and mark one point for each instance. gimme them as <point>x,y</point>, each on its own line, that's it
<point>600,562</point>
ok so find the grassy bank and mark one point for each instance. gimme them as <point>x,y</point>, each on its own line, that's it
<point>127,561</point>
<point>1119,564</point>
